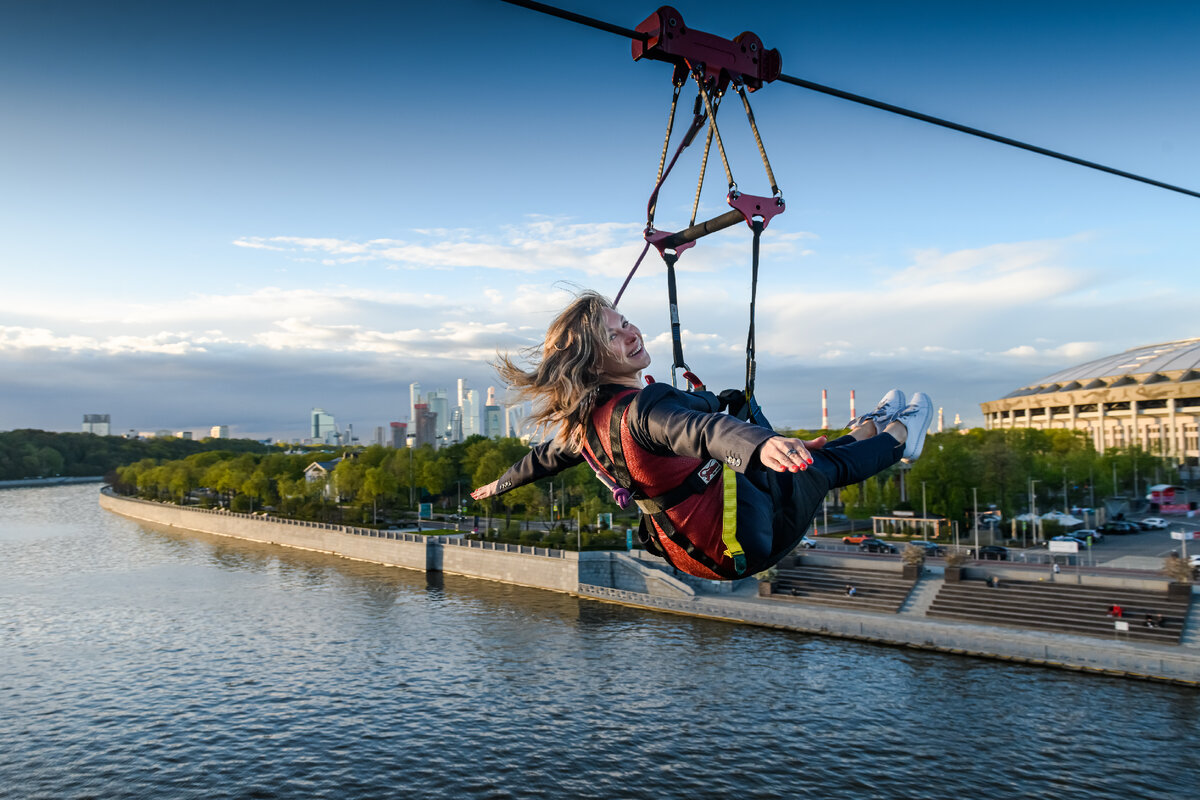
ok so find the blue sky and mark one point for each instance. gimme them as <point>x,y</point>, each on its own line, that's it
<point>228,213</point>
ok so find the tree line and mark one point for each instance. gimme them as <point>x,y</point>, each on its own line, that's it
<point>29,453</point>
<point>1004,469</point>
<point>371,485</point>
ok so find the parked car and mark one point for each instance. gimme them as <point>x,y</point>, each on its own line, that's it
<point>876,546</point>
<point>856,538</point>
<point>993,552</point>
<point>1153,524</point>
<point>808,542</point>
<point>931,549</point>
<point>1084,533</point>
<point>989,519</point>
<point>1119,527</point>
<point>1065,538</point>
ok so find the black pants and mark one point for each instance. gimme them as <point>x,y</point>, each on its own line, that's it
<point>776,508</point>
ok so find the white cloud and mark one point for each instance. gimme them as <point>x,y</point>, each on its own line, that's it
<point>14,339</point>
<point>607,249</point>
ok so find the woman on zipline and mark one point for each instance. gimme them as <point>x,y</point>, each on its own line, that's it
<point>721,498</point>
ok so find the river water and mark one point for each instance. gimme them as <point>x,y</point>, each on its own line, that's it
<point>138,662</point>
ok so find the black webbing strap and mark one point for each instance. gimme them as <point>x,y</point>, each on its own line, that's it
<point>757,226</point>
<point>685,544</point>
<point>620,468</point>
<point>692,484</point>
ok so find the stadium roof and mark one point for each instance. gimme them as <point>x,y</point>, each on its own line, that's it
<point>1152,363</point>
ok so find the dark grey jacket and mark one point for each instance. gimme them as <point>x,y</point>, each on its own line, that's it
<point>664,421</point>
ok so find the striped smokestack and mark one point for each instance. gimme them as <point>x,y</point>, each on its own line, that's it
<point>853,413</point>
<point>825,409</point>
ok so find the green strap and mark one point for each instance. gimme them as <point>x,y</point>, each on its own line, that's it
<point>733,548</point>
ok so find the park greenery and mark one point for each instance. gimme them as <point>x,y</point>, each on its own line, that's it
<point>381,486</point>
<point>1004,469</point>
<point>29,453</point>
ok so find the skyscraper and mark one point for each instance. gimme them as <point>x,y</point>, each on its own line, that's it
<point>98,424</point>
<point>493,422</point>
<point>470,409</point>
<point>414,397</point>
<point>324,429</point>
<point>440,405</point>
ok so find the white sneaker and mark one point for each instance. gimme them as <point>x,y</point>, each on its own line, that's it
<point>916,417</point>
<point>892,404</point>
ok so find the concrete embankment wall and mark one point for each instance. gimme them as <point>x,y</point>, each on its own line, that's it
<point>406,550</point>
<point>18,484</point>
<point>537,567</point>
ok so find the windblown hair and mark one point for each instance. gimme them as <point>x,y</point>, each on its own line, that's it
<point>566,372</point>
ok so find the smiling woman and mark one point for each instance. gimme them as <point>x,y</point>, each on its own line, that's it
<point>721,498</point>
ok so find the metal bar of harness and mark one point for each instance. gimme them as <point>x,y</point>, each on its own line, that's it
<point>726,220</point>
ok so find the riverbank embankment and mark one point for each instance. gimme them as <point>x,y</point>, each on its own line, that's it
<point>26,482</point>
<point>636,580</point>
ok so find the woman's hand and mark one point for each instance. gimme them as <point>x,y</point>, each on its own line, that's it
<point>788,455</point>
<point>485,491</point>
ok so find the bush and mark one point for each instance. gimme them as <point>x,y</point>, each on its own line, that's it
<point>1177,569</point>
<point>241,503</point>
<point>912,555</point>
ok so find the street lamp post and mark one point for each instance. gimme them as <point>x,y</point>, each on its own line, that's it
<point>975,502</point>
<point>1033,521</point>
<point>924,516</point>
<point>1066,499</point>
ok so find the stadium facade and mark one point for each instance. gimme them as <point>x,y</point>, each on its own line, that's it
<point>1148,395</point>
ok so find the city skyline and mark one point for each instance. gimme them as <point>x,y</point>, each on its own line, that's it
<point>235,212</point>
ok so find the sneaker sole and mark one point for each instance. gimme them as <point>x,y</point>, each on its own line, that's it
<point>915,442</point>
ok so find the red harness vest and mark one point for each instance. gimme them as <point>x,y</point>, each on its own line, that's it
<point>682,497</point>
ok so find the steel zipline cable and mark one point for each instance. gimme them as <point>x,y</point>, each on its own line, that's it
<point>629,33</point>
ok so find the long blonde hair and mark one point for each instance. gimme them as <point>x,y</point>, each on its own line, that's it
<point>566,370</point>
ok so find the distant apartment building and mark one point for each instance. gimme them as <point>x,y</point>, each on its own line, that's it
<point>99,424</point>
<point>425,424</point>
<point>185,435</point>
<point>218,432</point>
<point>399,435</point>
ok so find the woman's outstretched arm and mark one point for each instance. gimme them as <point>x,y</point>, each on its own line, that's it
<point>541,461</point>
